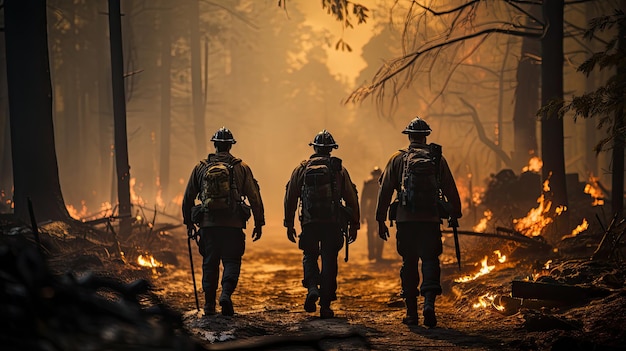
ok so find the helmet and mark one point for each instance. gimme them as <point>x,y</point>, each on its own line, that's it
<point>224,135</point>
<point>376,171</point>
<point>417,126</point>
<point>324,138</point>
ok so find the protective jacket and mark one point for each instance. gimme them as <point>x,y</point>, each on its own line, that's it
<point>247,187</point>
<point>391,180</point>
<point>346,189</point>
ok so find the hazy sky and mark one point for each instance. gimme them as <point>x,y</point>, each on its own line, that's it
<point>344,63</point>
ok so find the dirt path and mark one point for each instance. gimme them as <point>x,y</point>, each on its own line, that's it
<point>269,305</point>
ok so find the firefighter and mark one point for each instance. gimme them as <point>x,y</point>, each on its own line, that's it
<point>418,221</point>
<point>321,184</point>
<point>222,219</point>
<point>369,195</point>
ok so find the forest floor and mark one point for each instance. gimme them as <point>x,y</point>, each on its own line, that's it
<point>269,299</point>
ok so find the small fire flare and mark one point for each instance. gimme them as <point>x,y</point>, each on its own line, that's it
<point>485,269</point>
<point>148,261</point>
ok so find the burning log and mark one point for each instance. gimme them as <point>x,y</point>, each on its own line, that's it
<point>509,234</point>
<point>555,292</point>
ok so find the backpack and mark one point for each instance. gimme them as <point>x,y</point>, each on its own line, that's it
<point>420,189</point>
<point>319,188</point>
<point>217,187</point>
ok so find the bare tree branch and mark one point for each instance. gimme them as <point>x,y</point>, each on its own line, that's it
<point>483,136</point>
<point>440,13</point>
<point>394,67</point>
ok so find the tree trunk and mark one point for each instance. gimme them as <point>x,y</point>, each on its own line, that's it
<point>526,100</point>
<point>119,116</point>
<point>197,97</point>
<point>35,168</point>
<point>617,188</point>
<point>6,170</point>
<point>166,98</point>
<point>104,138</point>
<point>552,138</point>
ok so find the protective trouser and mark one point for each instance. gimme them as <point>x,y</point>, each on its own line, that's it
<point>225,245</point>
<point>325,240</point>
<point>415,241</point>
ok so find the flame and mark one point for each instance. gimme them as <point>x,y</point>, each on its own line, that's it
<point>546,266</point>
<point>485,269</point>
<point>501,257</point>
<point>482,224</point>
<point>486,300</point>
<point>134,197</point>
<point>148,261</point>
<point>593,189</point>
<point>534,165</point>
<point>579,229</point>
<point>535,220</point>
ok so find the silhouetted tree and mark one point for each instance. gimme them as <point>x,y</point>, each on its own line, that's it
<point>35,169</point>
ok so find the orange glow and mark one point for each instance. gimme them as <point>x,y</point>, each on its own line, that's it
<point>485,269</point>
<point>579,229</point>
<point>501,257</point>
<point>487,300</point>
<point>534,165</point>
<point>535,220</point>
<point>76,214</point>
<point>593,189</point>
<point>148,261</point>
<point>135,199</point>
<point>482,224</point>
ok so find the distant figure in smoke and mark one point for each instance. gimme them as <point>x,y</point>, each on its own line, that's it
<point>222,183</point>
<point>422,180</point>
<point>369,196</point>
<point>321,183</point>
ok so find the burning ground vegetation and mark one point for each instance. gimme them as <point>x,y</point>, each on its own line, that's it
<point>523,284</point>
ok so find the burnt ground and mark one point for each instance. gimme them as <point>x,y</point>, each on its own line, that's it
<point>269,300</point>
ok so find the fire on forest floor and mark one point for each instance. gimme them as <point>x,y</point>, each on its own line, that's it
<point>474,314</point>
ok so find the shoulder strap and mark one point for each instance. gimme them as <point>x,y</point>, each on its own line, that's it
<point>435,150</point>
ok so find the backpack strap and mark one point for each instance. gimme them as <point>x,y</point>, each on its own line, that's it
<point>435,151</point>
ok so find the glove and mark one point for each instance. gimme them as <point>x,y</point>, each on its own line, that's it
<point>191,228</point>
<point>352,234</point>
<point>453,222</point>
<point>383,231</point>
<point>256,233</point>
<point>291,234</point>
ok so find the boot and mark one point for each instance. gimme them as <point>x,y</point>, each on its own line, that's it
<point>209,310</point>
<point>411,317</point>
<point>430,320</point>
<point>311,298</point>
<point>326,312</point>
<point>209,304</point>
<point>227,305</point>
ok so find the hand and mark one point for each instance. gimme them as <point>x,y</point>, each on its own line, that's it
<point>190,229</point>
<point>352,234</point>
<point>256,233</point>
<point>383,231</point>
<point>291,234</point>
<point>453,222</point>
